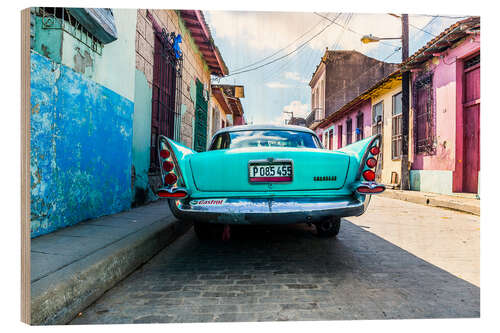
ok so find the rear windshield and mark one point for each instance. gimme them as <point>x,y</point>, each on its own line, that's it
<point>265,138</point>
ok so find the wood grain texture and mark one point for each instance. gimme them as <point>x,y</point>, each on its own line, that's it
<point>25,162</point>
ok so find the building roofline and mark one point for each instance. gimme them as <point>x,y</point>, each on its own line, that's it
<point>195,22</point>
<point>443,41</point>
<point>396,75</point>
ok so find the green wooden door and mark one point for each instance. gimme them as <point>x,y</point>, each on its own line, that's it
<point>200,122</point>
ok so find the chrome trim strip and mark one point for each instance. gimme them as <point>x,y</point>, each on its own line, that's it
<point>268,211</point>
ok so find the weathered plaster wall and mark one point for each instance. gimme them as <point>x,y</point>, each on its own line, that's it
<point>434,181</point>
<point>81,147</point>
<point>389,165</point>
<point>445,91</point>
<point>112,69</point>
<point>349,74</point>
<point>141,139</point>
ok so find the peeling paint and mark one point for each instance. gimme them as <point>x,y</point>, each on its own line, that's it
<point>81,148</point>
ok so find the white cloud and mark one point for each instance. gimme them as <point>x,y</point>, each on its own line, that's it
<point>298,109</point>
<point>276,85</point>
<point>292,75</point>
<point>275,30</point>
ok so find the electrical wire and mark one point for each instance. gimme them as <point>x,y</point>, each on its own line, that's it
<point>286,55</point>
<point>353,31</point>
<point>281,49</point>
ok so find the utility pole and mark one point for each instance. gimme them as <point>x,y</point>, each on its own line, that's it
<point>405,171</point>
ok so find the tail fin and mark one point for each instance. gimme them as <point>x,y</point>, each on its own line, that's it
<point>173,166</point>
<point>360,151</point>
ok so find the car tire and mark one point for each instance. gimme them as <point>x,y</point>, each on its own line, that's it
<point>328,228</point>
<point>203,231</point>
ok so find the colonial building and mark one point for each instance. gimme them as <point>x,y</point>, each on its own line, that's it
<point>175,56</point>
<point>104,84</point>
<point>340,77</point>
<point>227,109</point>
<point>376,110</point>
<point>445,105</point>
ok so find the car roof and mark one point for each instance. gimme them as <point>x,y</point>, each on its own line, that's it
<point>264,127</point>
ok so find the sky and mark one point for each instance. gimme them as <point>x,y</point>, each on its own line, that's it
<point>295,42</point>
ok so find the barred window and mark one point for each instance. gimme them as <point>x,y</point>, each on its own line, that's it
<point>359,127</point>
<point>349,132</point>
<point>397,125</point>
<point>423,104</point>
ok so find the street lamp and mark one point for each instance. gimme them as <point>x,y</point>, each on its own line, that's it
<point>405,170</point>
<point>373,39</point>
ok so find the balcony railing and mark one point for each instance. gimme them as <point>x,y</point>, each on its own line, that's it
<point>316,115</point>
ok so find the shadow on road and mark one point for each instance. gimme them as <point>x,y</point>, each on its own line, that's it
<point>286,273</point>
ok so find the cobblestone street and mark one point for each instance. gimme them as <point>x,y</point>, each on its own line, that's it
<point>399,260</point>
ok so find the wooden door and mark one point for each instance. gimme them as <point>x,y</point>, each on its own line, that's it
<point>330,139</point>
<point>339,137</point>
<point>471,109</point>
<point>200,125</point>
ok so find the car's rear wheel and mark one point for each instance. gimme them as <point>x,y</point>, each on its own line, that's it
<point>329,227</point>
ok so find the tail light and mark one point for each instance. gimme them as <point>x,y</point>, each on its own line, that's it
<point>179,194</point>
<point>371,162</point>
<point>168,166</point>
<point>369,190</point>
<point>170,178</point>
<point>375,150</point>
<point>369,175</point>
<point>164,153</point>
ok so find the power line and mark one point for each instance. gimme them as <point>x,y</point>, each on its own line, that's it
<point>283,48</point>
<point>286,55</point>
<point>353,31</point>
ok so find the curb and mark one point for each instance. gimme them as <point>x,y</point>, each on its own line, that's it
<point>434,200</point>
<point>59,297</point>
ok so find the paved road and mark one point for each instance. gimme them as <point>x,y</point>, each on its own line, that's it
<point>391,262</point>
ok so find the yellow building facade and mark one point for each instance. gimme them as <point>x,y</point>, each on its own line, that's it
<point>386,120</point>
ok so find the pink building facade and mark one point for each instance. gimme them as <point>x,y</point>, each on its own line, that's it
<point>445,112</point>
<point>349,125</point>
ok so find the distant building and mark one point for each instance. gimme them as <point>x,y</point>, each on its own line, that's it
<point>227,109</point>
<point>297,121</point>
<point>339,78</point>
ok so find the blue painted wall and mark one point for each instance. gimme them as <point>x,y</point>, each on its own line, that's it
<point>81,148</point>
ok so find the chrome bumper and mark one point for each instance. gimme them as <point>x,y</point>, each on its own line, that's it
<point>268,211</point>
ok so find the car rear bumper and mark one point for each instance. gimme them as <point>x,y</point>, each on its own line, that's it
<point>268,211</point>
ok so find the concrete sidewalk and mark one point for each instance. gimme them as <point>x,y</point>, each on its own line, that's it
<point>468,204</point>
<point>72,267</point>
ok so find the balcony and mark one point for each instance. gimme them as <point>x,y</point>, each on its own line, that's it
<point>315,116</point>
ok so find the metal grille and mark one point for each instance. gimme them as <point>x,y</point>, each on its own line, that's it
<point>359,127</point>
<point>167,88</point>
<point>472,61</point>
<point>60,18</point>
<point>424,126</point>
<point>349,132</point>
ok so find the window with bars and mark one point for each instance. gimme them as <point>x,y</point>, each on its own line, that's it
<point>359,126</point>
<point>397,125</point>
<point>349,131</point>
<point>377,118</point>
<point>424,123</point>
<point>167,85</point>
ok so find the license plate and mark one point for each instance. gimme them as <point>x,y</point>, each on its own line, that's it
<point>259,172</point>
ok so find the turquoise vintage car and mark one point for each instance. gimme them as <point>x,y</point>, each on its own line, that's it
<point>256,174</point>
